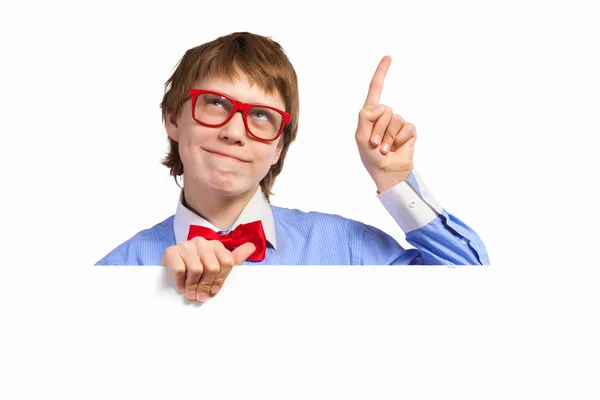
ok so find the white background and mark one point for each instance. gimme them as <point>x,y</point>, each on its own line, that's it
<point>505,99</point>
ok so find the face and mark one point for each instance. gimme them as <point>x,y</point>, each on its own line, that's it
<point>226,159</point>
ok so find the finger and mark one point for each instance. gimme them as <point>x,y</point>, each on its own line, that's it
<point>391,133</point>
<point>380,127</point>
<point>241,253</point>
<point>366,119</point>
<point>173,261</point>
<point>189,252</point>
<point>226,260</point>
<point>407,132</point>
<point>376,86</point>
<point>407,152</point>
<point>211,270</point>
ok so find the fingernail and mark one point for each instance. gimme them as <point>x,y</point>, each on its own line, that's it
<point>377,139</point>
<point>191,294</point>
<point>379,108</point>
<point>215,289</point>
<point>201,297</point>
<point>385,147</point>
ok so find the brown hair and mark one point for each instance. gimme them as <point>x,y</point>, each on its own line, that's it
<point>261,59</point>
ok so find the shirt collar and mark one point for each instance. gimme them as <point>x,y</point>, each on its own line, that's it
<point>258,208</point>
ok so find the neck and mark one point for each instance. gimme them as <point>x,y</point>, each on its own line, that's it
<point>219,210</point>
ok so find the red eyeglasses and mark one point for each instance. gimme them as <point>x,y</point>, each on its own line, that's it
<point>214,109</point>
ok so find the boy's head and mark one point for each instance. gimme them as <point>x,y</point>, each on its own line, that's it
<point>255,59</point>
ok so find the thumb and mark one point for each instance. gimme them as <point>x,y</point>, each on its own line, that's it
<point>407,150</point>
<point>242,252</point>
<point>366,119</point>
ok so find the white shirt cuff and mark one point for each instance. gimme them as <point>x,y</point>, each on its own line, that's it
<point>407,208</point>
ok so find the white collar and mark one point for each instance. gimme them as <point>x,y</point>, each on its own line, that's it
<point>258,208</point>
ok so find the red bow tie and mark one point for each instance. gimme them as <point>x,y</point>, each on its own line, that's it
<point>250,232</point>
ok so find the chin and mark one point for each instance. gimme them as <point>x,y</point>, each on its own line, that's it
<point>230,187</point>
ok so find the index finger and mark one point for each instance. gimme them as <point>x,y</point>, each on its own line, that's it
<point>376,86</point>
<point>174,262</point>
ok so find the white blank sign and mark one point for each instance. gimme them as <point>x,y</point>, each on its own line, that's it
<point>312,332</point>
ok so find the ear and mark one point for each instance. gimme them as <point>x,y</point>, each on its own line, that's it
<point>172,126</point>
<point>277,152</point>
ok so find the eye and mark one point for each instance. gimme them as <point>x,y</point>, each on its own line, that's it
<point>215,102</point>
<point>260,115</point>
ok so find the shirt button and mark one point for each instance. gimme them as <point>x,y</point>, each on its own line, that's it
<point>411,204</point>
<point>464,241</point>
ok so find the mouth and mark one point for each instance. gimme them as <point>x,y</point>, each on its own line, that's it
<point>225,156</point>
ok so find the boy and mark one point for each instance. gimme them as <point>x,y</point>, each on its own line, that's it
<point>231,112</point>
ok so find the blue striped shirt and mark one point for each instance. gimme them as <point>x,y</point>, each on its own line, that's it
<point>313,238</point>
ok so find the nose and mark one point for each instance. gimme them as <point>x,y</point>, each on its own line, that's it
<point>234,130</point>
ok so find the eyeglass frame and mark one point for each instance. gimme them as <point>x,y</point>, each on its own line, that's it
<point>238,106</point>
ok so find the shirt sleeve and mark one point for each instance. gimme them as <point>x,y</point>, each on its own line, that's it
<point>440,237</point>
